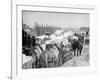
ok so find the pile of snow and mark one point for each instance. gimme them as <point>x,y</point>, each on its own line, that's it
<point>26,58</point>
<point>67,34</point>
<point>58,32</point>
<point>42,37</point>
<point>74,37</point>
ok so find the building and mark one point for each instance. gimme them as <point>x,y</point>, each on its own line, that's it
<point>84,29</point>
<point>42,29</point>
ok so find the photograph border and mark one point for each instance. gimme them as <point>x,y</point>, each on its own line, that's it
<point>14,19</point>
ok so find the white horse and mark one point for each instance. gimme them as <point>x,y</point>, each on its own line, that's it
<point>51,55</point>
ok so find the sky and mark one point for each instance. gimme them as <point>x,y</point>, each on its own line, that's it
<point>73,20</point>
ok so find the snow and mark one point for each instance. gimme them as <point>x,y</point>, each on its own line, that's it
<point>26,58</point>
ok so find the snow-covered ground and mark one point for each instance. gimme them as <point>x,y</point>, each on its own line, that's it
<point>82,60</point>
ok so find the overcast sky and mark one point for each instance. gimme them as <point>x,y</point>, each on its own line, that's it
<point>57,19</point>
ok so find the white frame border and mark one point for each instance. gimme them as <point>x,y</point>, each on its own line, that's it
<point>71,71</point>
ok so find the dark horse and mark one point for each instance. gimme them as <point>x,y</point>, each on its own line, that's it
<point>80,37</point>
<point>77,46</point>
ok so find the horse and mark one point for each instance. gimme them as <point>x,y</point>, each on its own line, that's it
<point>49,55</point>
<point>86,39</point>
<point>80,37</point>
<point>37,51</point>
<point>76,46</point>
